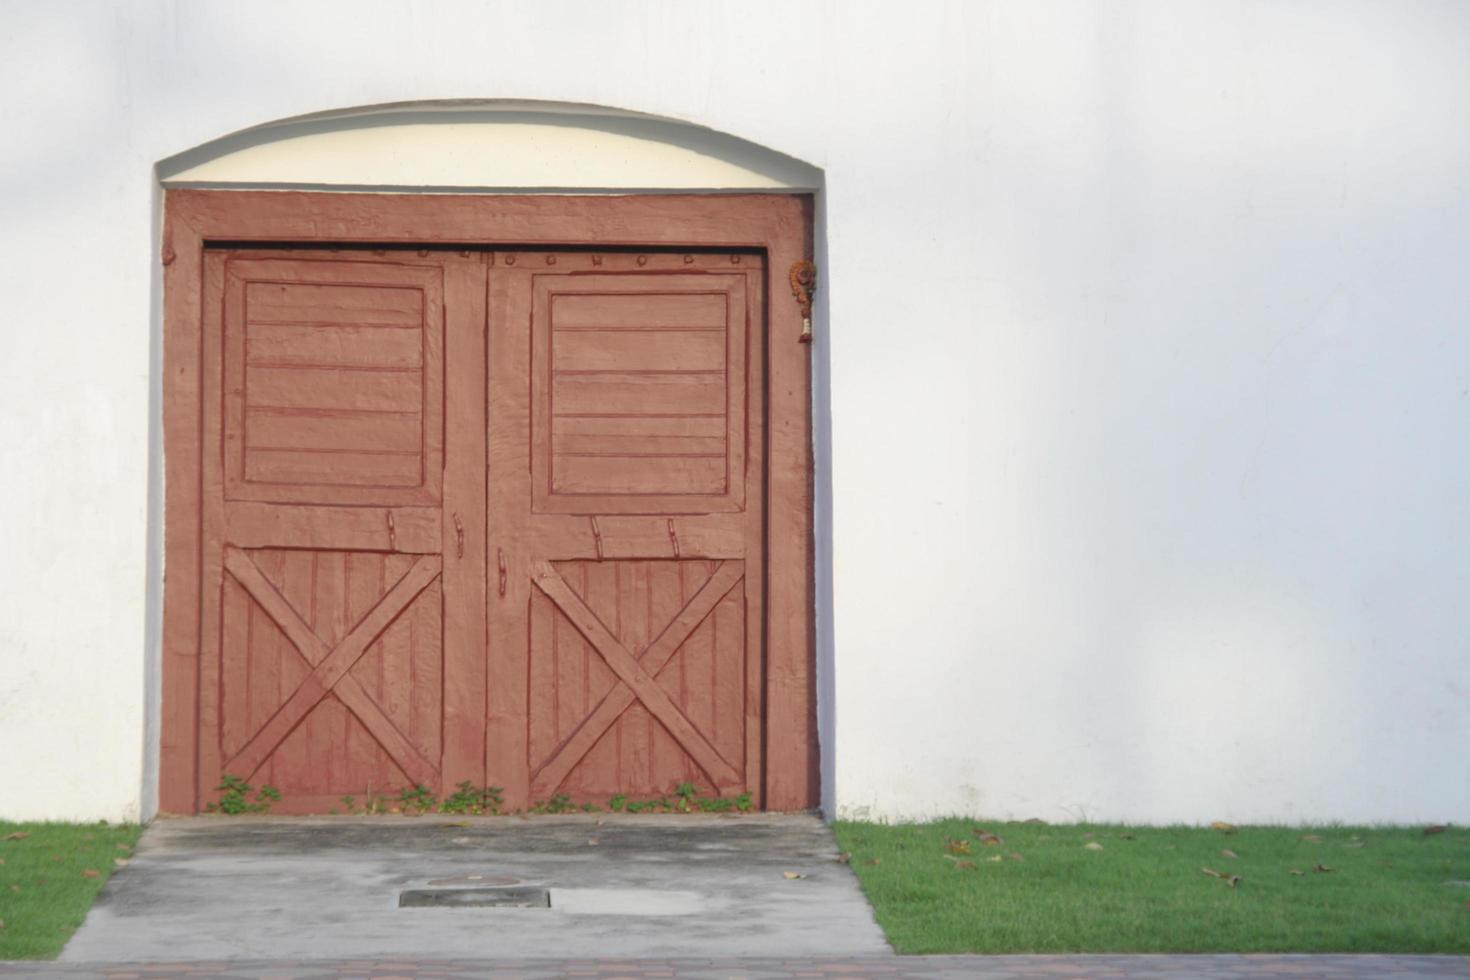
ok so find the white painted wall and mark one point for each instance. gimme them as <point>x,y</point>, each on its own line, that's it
<point>1149,380</point>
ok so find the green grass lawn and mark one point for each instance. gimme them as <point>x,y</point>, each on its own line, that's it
<point>49,874</point>
<point>1048,889</point>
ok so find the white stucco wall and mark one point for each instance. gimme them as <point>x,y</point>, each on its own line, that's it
<point>1149,381</point>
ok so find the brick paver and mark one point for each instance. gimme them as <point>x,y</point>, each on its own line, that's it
<point>1231,967</point>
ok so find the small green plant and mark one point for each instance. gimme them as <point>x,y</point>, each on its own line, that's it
<point>419,799</point>
<point>470,799</point>
<point>350,802</point>
<point>617,801</point>
<point>560,803</point>
<point>235,797</point>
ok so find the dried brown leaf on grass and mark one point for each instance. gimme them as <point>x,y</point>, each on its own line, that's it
<point>18,835</point>
<point>1093,845</point>
<point>1436,828</point>
<point>1227,852</point>
<point>1223,827</point>
<point>956,846</point>
<point>91,873</point>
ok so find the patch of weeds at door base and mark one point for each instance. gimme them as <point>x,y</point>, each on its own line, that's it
<point>235,797</point>
<point>471,800</point>
<point>686,799</point>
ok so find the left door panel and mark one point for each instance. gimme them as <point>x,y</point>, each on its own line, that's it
<point>342,503</point>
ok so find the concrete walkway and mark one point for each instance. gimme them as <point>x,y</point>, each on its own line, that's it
<point>1253,967</point>
<point>266,888</point>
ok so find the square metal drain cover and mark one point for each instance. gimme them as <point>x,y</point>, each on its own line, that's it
<point>475,898</point>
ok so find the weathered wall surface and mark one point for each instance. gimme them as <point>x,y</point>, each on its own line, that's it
<point>1148,371</point>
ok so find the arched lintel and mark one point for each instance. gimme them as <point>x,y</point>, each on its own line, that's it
<point>479,144</point>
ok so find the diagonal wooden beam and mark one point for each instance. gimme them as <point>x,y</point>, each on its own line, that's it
<point>402,751</point>
<point>631,673</point>
<point>549,775</point>
<point>274,605</point>
<point>330,670</point>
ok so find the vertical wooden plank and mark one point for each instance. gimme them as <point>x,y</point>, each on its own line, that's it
<point>464,603</point>
<point>790,744</point>
<point>506,534</point>
<point>546,634</point>
<point>212,638</point>
<point>178,763</point>
<point>235,727</point>
<point>756,354</point>
<point>356,753</point>
<point>601,593</point>
<point>728,621</point>
<point>280,667</point>
<point>696,659</point>
<point>600,768</point>
<point>666,598</point>
<point>426,649</point>
<point>568,680</point>
<point>632,614</point>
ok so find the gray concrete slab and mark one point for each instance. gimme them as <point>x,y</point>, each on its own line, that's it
<point>213,888</point>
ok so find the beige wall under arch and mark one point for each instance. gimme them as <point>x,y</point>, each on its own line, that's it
<point>501,146</point>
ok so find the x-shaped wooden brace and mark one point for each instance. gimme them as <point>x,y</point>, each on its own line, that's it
<point>637,675</point>
<point>329,667</point>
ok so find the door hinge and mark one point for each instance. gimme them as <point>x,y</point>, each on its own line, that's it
<point>803,280</point>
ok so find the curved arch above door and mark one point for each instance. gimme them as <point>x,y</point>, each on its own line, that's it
<point>503,145</point>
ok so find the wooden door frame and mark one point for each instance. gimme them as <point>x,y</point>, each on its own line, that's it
<point>779,224</point>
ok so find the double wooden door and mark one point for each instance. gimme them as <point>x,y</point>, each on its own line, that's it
<point>493,516</point>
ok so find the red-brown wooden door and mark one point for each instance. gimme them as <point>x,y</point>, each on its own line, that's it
<point>626,434</point>
<point>342,616</point>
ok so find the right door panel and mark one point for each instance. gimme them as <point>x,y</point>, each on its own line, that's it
<point>625,443</point>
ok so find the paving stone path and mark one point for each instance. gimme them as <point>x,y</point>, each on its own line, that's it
<point>1233,967</point>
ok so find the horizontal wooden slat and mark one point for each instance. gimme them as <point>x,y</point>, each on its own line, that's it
<point>416,530</point>
<point>642,474</point>
<point>638,309</point>
<point>622,350</point>
<point>288,429</point>
<point>366,346</point>
<point>613,444</point>
<point>681,394</point>
<point>333,469</point>
<point>391,391</point>
<point>712,427</point>
<point>330,303</point>
<point>698,536</point>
